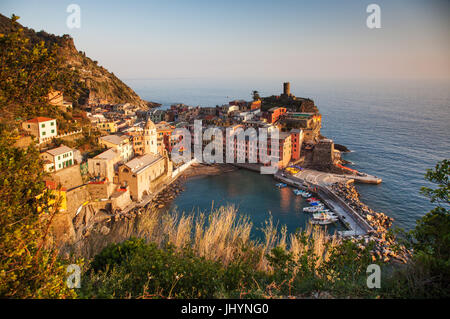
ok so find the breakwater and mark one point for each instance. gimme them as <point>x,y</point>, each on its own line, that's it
<point>385,245</point>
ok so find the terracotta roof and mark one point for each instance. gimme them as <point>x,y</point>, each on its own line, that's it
<point>54,186</point>
<point>40,119</point>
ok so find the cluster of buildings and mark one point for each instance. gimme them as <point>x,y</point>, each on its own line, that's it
<point>133,163</point>
<point>136,144</point>
<point>298,130</point>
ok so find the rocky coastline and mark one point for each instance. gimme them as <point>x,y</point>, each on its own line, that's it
<point>386,247</point>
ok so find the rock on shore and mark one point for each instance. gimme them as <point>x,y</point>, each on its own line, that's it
<point>386,248</point>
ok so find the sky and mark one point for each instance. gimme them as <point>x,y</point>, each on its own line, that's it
<point>322,39</point>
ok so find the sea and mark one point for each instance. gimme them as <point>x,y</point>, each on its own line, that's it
<point>395,129</point>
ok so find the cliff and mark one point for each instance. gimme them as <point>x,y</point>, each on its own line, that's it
<point>97,82</point>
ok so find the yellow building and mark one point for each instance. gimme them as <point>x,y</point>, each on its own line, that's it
<point>107,127</point>
<point>57,194</point>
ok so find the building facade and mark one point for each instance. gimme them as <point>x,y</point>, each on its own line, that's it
<point>140,174</point>
<point>150,138</point>
<point>57,158</point>
<point>43,128</point>
<point>105,164</point>
<point>121,143</point>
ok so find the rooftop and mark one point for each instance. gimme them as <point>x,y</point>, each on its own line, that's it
<point>108,155</point>
<point>284,135</point>
<point>114,139</point>
<point>40,119</point>
<point>59,150</point>
<point>275,108</point>
<point>164,126</point>
<point>140,163</point>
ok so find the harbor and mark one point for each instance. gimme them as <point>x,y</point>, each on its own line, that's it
<point>318,183</point>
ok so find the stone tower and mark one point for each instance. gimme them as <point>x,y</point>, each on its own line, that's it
<point>150,138</point>
<point>287,89</point>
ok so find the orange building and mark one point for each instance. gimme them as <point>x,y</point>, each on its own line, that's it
<point>164,131</point>
<point>273,114</point>
<point>255,105</point>
<point>296,140</point>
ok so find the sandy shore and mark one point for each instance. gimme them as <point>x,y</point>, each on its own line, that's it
<point>198,170</point>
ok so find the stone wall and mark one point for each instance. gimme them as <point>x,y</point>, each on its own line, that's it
<point>68,177</point>
<point>323,154</point>
<point>100,190</point>
<point>120,200</point>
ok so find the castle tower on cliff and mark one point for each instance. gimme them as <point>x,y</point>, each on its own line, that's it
<point>286,89</point>
<point>150,138</point>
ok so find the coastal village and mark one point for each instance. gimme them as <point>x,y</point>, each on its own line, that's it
<point>129,167</point>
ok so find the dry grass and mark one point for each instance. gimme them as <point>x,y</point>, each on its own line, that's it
<point>225,235</point>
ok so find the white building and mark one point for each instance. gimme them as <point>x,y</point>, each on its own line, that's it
<point>121,143</point>
<point>43,128</point>
<point>105,164</point>
<point>57,158</point>
<point>150,138</point>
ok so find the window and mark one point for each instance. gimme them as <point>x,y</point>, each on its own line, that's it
<point>42,125</point>
<point>52,123</point>
<point>43,133</point>
<point>29,126</point>
<point>53,131</point>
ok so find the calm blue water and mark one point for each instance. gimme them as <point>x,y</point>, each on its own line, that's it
<point>396,131</point>
<point>253,194</point>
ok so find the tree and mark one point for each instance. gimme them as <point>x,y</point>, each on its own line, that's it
<point>439,175</point>
<point>431,236</point>
<point>29,69</point>
<point>256,96</point>
<point>29,268</point>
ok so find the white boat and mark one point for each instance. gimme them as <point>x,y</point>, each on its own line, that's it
<point>324,214</point>
<point>313,209</point>
<point>322,222</point>
<point>297,191</point>
<point>306,195</point>
<point>324,218</point>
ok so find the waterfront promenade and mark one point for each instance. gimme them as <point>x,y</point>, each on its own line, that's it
<point>325,179</point>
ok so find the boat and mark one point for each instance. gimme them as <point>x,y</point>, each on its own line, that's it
<point>315,203</point>
<point>281,185</point>
<point>297,191</point>
<point>306,195</point>
<point>324,218</point>
<point>313,209</point>
<point>312,199</point>
<point>321,222</point>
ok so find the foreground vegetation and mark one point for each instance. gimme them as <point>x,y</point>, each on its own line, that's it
<point>220,261</point>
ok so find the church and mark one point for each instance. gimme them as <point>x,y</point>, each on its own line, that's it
<point>145,173</point>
